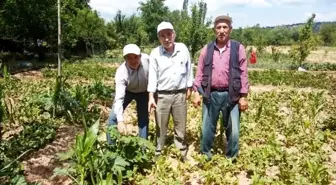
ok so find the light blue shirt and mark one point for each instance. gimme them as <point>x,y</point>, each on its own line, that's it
<point>170,71</point>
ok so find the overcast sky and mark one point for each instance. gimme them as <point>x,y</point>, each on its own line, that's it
<point>244,12</point>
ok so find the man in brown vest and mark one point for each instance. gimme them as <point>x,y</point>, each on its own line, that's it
<point>222,80</point>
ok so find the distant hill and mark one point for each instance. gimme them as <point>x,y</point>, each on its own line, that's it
<point>317,25</point>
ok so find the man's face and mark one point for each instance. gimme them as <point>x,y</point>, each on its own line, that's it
<point>222,30</point>
<point>167,38</point>
<point>133,60</point>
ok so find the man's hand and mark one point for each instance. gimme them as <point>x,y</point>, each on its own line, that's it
<point>188,93</point>
<point>243,104</point>
<point>197,99</point>
<point>122,128</point>
<point>151,102</point>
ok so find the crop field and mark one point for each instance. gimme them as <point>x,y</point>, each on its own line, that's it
<point>54,130</point>
<point>53,127</point>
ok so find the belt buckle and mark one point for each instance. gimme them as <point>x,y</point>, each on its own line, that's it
<point>221,89</point>
<point>178,91</point>
<point>173,91</point>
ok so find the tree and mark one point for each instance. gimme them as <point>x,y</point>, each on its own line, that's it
<point>259,38</point>
<point>307,42</point>
<point>185,5</point>
<point>88,28</point>
<point>29,21</point>
<point>279,36</point>
<point>237,34</point>
<point>152,13</point>
<point>123,30</point>
<point>199,27</point>
<point>328,34</point>
<point>248,36</point>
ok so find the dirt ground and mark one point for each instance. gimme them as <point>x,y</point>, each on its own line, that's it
<point>40,165</point>
<point>321,54</point>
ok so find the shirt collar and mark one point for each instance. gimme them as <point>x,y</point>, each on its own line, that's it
<point>227,45</point>
<point>130,70</point>
<point>164,51</point>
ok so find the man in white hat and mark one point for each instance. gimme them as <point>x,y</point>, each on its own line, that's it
<point>170,79</point>
<point>131,81</point>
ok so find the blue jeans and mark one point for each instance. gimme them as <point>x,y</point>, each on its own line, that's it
<point>218,102</point>
<point>141,100</point>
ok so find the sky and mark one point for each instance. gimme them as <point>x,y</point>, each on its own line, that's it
<point>245,13</point>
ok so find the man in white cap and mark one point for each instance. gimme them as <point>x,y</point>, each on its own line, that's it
<point>170,79</point>
<point>131,81</point>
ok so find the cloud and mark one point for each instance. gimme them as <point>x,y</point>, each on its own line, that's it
<point>241,11</point>
<point>108,8</point>
<point>295,2</point>
<point>215,5</point>
<point>175,4</point>
<point>322,16</point>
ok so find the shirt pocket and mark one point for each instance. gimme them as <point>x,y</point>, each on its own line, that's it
<point>182,66</point>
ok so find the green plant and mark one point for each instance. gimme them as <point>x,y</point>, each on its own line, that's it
<point>307,42</point>
<point>93,162</point>
<point>275,54</point>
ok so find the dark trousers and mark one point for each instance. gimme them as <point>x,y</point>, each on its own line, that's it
<point>141,100</point>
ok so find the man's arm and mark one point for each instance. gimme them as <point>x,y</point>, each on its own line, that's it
<point>189,69</point>
<point>199,71</point>
<point>244,73</point>
<point>120,94</point>
<point>152,81</point>
<point>152,75</point>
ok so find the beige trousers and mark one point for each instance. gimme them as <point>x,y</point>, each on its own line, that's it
<point>171,104</point>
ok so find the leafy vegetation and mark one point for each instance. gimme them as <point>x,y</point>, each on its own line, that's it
<point>306,42</point>
<point>274,143</point>
<point>95,162</point>
<point>288,135</point>
<point>293,79</point>
<point>85,33</point>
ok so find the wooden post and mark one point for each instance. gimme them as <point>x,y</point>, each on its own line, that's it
<point>59,37</point>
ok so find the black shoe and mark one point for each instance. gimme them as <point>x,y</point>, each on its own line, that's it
<point>208,156</point>
<point>184,153</point>
<point>232,159</point>
<point>184,159</point>
<point>157,155</point>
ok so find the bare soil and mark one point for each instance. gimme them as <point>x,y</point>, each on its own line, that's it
<point>29,75</point>
<point>112,65</point>
<point>40,165</point>
<point>265,88</point>
<point>321,54</point>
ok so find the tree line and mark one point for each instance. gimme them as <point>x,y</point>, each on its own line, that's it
<point>30,26</point>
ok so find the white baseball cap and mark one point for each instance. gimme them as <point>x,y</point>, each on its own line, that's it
<point>131,49</point>
<point>164,25</point>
